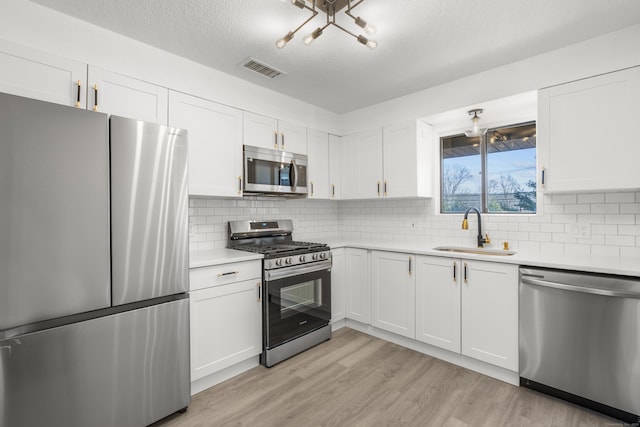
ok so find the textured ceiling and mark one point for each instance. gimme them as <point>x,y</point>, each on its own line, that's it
<point>421,43</point>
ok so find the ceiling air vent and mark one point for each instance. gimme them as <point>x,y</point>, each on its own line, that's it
<point>262,68</point>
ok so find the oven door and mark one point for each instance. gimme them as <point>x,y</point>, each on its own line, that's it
<point>296,304</point>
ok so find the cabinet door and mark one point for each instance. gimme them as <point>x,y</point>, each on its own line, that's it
<point>293,137</point>
<point>338,282</point>
<point>587,133</point>
<point>260,131</point>
<point>117,94</point>
<point>357,285</point>
<point>362,165</point>
<point>407,160</point>
<point>226,326</point>
<point>438,302</point>
<point>335,162</point>
<point>393,292</point>
<point>33,74</point>
<point>215,144</point>
<point>318,169</point>
<point>490,312</point>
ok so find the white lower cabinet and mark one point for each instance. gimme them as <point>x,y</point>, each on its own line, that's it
<point>357,285</point>
<point>226,325</point>
<point>490,312</point>
<point>393,287</point>
<point>338,282</point>
<point>438,302</point>
<point>469,307</point>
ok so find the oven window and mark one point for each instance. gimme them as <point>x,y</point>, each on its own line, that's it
<point>300,297</point>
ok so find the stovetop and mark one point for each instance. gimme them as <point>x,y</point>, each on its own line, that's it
<point>289,248</point>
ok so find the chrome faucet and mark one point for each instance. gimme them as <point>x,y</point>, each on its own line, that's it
<point>465,226</point>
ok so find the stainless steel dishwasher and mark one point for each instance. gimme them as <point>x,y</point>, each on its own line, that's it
<point>580,339</point>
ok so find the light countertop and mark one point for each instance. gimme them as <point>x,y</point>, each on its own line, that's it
<point>220,256</point>
<point>596,264</point>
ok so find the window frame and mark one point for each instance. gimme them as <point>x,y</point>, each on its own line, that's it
<point>484,196</point>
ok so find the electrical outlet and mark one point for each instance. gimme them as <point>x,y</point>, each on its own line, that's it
<point>581,231</point>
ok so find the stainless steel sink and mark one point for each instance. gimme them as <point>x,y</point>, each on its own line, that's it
<point>474,251</point>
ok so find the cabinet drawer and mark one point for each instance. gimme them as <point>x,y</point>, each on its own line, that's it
<point>206,277</point>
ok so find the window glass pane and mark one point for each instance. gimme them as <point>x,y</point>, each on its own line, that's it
<point>461,177</point>
<point>511,169</point>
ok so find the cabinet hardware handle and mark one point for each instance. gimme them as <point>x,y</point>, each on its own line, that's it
<point>282,139</point>
<point>275,139</point>
<point>333,190</point>
<point>95,102</point>
<point>378,188</point>
<point>410,266</point>
<point>465,273</point>
<point>79,90</point>
<point>239,185</point>
<point>385,188</point>
<point>312,188</point>
<point>259,292</point>
<point>230,273</point>
<point>542,183</point>
<point>455,268</point>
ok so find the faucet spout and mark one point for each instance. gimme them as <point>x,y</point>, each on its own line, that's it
<point>465,226</point>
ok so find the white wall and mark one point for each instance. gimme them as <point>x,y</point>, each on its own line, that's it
<point>33,25</point>
<point>596,56</point>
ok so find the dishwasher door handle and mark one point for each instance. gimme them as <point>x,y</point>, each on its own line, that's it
<point>582,289</point>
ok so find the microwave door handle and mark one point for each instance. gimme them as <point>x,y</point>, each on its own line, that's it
<point>294,169</point>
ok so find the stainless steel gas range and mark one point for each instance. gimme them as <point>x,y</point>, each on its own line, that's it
<point>296,287</point>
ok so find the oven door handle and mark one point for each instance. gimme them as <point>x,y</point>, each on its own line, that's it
<point>281,273</point>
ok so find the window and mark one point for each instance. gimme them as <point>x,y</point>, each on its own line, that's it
<point>495,173</point>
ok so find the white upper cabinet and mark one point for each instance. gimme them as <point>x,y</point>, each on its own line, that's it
<point>34,74</point>
<point>587,134</point>
<point>335,162</point>
<point>395,161</point>
<point>267,132</point>
<point>408,163</point>
<point>215,144</point>
<point>318,168</point>
<point>361,171</point>
<point>393,292</point>
<point>117,94</point>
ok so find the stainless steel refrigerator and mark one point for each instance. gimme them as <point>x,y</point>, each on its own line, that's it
<point>94,322</point>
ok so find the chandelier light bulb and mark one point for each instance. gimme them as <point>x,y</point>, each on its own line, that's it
<point>283,41</point>
<point>370,29</point>
<point>371,44</point>
<point>311,37</point>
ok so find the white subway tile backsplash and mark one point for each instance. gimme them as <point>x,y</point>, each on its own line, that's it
<point>613,218</point>
<point>620,197</point>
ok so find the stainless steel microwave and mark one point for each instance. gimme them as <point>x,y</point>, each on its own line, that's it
<point>274,172</point>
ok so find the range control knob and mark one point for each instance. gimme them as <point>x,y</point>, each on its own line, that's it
<point>323,255</point>
<point>279,262</point>
<point>287,261</point>
<point>302,258</point>
<point>314,257</point>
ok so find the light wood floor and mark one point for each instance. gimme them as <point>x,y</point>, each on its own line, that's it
<point>358,380</point>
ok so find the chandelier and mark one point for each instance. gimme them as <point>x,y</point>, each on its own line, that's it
<point>330,8</point>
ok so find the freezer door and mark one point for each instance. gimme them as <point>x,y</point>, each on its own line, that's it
<point>126,370</point>
<point>54,211</point>
<point>149,210</point>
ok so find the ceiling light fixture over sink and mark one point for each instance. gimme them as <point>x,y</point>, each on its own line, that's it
<point>330,7</point>
<point>476,130</point>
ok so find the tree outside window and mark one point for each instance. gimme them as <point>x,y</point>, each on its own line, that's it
<point>495,172</point>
